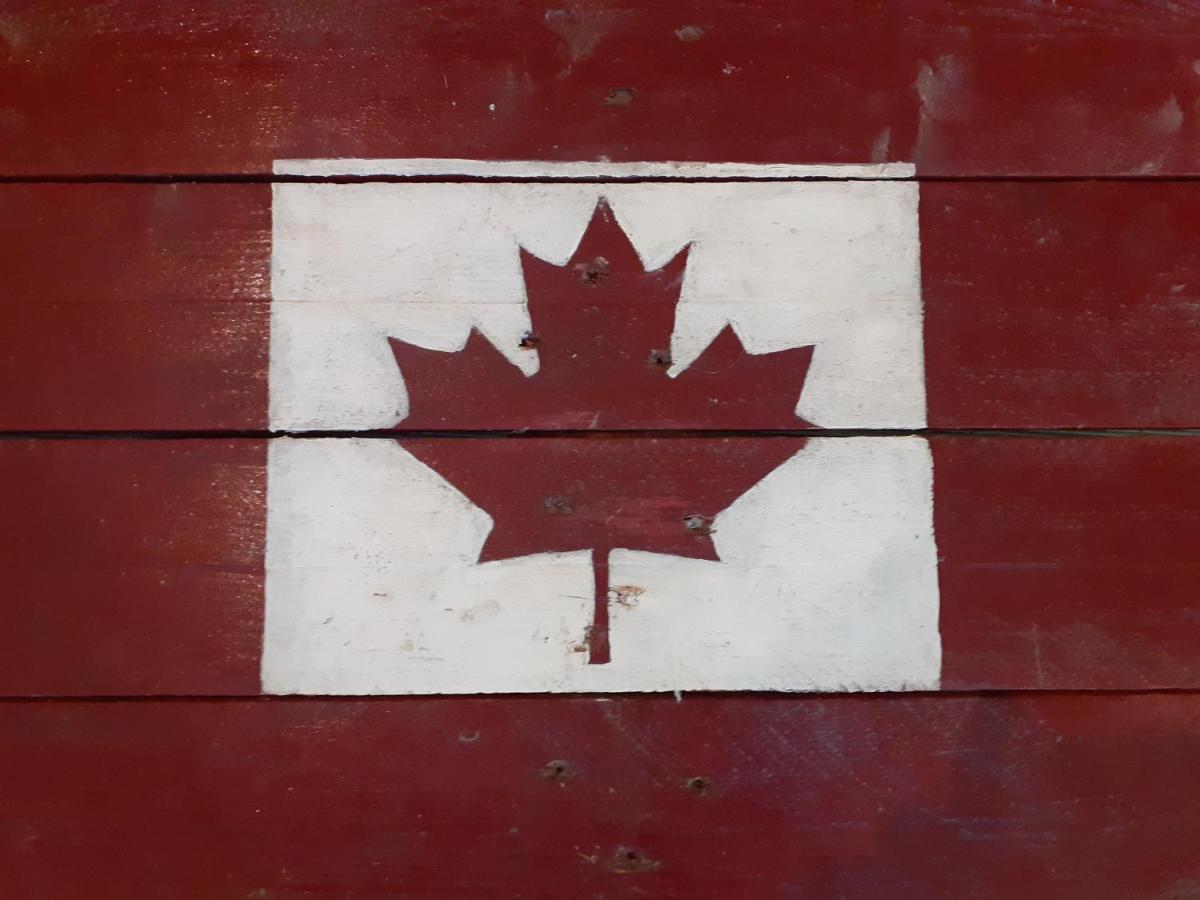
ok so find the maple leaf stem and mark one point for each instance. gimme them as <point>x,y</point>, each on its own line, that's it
<point>598,647</point>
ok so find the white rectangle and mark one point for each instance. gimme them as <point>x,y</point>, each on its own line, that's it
<point>827,582</point>
<point>832,264</point>
<point>474,168</point>
<point>826,570</point>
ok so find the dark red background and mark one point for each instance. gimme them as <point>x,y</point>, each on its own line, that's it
<point>131,566</point>
<point>1036,795</point>
<point>1005,87</point>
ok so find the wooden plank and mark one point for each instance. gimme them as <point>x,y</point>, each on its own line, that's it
<point>600,563</point>
<point>134,307</point>
<point>919,796</point>
<point>135,566</point>
<point>131,567</point>
<point>1068,563</point>
<point>1046,305</point>
<point>149,87</point>
<point>1065,305</point>
<point>685,304</point>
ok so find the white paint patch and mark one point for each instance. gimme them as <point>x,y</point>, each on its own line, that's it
<point>834,264</point>
<point>449,168</point>
<point>827,582</point>
<point>827,578</point>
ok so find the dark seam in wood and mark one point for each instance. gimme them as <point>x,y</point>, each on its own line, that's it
<point>571,434</point>
<point>849,696</point>
<point>270,178</point>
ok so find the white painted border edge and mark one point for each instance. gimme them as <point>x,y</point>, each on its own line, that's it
<point>449,168</point>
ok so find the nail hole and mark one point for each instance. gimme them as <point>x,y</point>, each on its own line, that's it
<point>621,96</point>
<point>557,506</point>
<point>594,272</point>
<point>631,862</point>
<point>556,770</point>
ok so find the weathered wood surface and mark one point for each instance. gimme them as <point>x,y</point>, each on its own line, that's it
<point>981,88</point>
<point>132,567</point>
<point>137,757</point>
<point>1047,305</point>
<point>136,566</point>
<point>915,797</point>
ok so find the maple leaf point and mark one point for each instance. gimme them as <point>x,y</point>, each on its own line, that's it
<point>601,326</point>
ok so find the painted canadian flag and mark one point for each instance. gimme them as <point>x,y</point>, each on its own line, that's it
<point>597,427</point>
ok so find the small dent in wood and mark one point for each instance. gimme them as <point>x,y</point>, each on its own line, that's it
<point>594,272</point>
<point>659,359</point>
<point>558,770</point>
<point>621,96</point>
<point>627,595</point>
<point>629,861</point>
<point>557,506</point>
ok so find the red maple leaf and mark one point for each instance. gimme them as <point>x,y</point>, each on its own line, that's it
<point>602,329</point>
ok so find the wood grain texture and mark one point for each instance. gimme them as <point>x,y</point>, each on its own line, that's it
<point>135,567</point>
<point>1068,563</point>
<point>748,797</point>
<point>145,307</point>
<point>980,88</point>
<point>134,306</point>
<point>1061,305</point>
<point>382,578</point>
<point>638,281</point>
<point>131,567</point>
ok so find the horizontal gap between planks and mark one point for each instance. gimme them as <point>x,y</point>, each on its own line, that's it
<point>680,697</point>
<point>684,434</point>
<point>269,178</point>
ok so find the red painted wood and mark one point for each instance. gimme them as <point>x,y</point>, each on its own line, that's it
<point>877,796</point>
<point>134,307</point>
<point>135,567</point>
<point>131,567</point>
<point>144,307</point>
<point>1061,305</point>
<point>980,88</point>
<point>1068,563</point>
